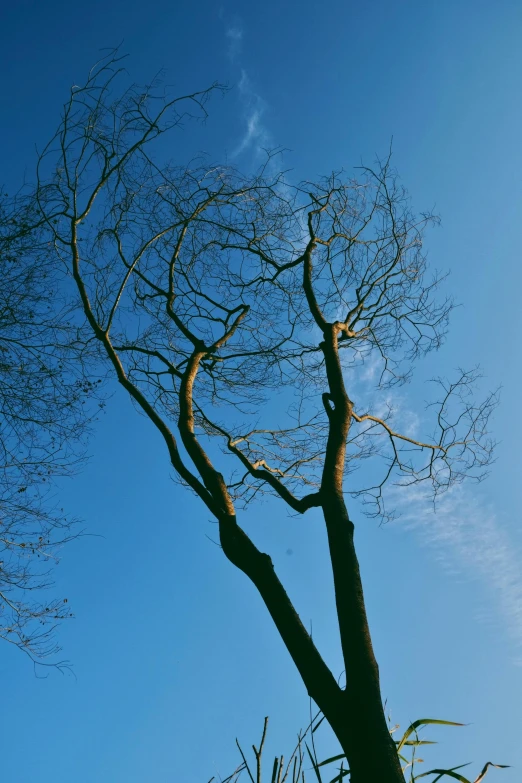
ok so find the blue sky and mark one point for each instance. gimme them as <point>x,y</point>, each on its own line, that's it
<point>173,653</point>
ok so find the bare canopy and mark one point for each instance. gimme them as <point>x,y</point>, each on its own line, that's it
<point>42,425</point>
<point>233,309</point>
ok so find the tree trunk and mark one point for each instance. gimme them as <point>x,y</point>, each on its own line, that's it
<point>364,734</point>
<point>355,715</point>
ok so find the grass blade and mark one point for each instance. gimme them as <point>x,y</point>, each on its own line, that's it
<point>486,767</point>
<point>445,772</point>
<point>330,760</point>
<point>424,722</point>
<point>314,764</point>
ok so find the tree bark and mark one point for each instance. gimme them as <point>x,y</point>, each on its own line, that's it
<point>355,714</point>
<point>317,677</point>
<point>364,734</point>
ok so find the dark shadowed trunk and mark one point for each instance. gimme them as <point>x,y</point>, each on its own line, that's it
<point>355,714</point>
<point>364,733</point>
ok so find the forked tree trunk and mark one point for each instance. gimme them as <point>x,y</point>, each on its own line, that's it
<point>355,714</point>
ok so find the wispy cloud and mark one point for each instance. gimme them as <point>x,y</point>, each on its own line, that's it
<point>256,137</point>
<point>468,538</point>
<point>362,379</point>
<point>234,34</point>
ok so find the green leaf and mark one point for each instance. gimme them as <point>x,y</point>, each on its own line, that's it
<point>339,777</point>
<point>416,742</point>
<point>442,772</point>
<point>314,764</point>
<point>314,729</point>
<point>330,760</point>
<point>423,722</point>
<point>486,767</point>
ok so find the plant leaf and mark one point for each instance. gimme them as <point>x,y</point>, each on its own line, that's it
<point>486,767</point>
<point>442,772</point>
<point>314,765</point>
<point>423,722</point>
<point>330,760</point>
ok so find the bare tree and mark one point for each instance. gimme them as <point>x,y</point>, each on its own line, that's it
<point>234,309</point>
<point>42,424</point>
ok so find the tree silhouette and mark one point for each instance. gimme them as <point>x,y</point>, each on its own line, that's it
<point>42,427</point>
<point>231,307</point>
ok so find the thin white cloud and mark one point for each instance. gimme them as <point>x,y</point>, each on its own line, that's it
<point>234,33</point>
<point>256,137</point>
<point>468,538</point>
<point>362,380</point>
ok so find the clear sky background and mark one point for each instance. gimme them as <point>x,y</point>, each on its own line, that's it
<point>173,652</point>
